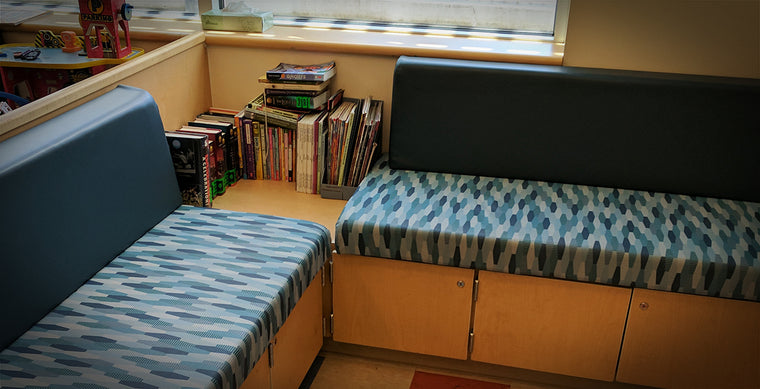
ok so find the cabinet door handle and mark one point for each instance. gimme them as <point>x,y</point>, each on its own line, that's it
<point>644,305</point>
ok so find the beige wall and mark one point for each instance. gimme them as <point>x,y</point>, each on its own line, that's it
<point>234,71</point>
<point>712,37</point>
<point>179,84</point>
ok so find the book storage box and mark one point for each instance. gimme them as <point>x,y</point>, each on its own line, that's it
<point>237,21</point>
<point>337,191</point>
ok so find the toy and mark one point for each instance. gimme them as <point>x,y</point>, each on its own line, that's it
<point>102,21</point>
<point>69,39</point>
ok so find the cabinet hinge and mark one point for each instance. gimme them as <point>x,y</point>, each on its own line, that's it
<point>323,275</point>
<point>331,271</point>
<point>332,324</point>
<point>475,290</point>
<point>470,343</point>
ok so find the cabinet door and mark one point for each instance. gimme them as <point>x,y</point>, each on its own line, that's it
<point>402,305</point>
<point>258,378</point>
<point>299,340</point>
<point>684,341</point>
<point>549,325</point>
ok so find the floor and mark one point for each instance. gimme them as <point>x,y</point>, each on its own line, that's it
<point>339,370</point>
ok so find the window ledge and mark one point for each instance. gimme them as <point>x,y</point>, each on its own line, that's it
<point>521,49</point>
<point>535,51</point>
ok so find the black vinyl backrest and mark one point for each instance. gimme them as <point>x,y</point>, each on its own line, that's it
<point>76,191</point>
<point>694,135</point>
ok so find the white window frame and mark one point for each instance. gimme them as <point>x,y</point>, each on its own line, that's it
<point>557,33</point>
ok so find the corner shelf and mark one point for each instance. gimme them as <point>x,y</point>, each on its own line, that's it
<point>280,198</point>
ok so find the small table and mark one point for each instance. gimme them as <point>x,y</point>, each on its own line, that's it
<point>52,70</point>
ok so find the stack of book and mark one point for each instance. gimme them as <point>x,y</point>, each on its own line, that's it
<point>298,130</point>
<point>206,156</point>
<point>283,126</point>
<point>190,156</point>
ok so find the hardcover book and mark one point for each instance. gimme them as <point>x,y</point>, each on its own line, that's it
<point>230,134</point>
<point>217,151</point>
<point>316,72</point>
<point>189,156</point>
<point>311,86</point>
<point>249,153</point>
<point>258,104</point>
<point>296,100</point>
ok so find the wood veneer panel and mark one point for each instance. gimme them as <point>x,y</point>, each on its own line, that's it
<point>549,325</point>
<point>402,305</point>
<point>298,342</point>
<point>686,341</point>
<point>258,378</point>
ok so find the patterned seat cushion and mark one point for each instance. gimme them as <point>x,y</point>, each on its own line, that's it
<point>629,238</point>
<point>193,303</point>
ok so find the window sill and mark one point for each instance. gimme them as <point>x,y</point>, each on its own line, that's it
<point>521,49</point>
<point>395,44</point>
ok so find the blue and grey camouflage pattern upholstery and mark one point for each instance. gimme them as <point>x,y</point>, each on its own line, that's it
<point>193,303</point>
<point>629,238</point>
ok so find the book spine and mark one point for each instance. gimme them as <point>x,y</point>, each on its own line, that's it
<point>207,200</point>
<point>249,163</point>
<point>270,153</point>
<point>290,156</point>
<point>277,146</point>
<point>256,154</point>
<point>274,120</point>
<point>288,92</point>
<point>258,105</point>
<point>242,140</point>
<point>296,101</point>
<point>264,152</point>
<point>276,140</point>
<point>241,145</point>
<point>232,154</point>
<point>285,76</point>
<point>285,146</point>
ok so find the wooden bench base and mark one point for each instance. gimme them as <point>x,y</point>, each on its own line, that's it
<point>549,325</point>
<point>295,346</point>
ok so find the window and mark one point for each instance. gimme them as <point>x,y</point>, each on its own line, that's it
<point>142,7</point>
<point>546,18</point>
<point>539,17</point>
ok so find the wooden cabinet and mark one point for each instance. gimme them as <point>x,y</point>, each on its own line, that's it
<point>294,347</point>
<point>684,341</point>
<point>549,325</point>
<point>402,305</point>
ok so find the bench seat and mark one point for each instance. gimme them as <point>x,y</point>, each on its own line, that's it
<point>193,303</point>
<point>630,238</point>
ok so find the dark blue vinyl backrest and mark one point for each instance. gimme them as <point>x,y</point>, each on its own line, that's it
<point>693,135</point>
<point>76,191</point>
